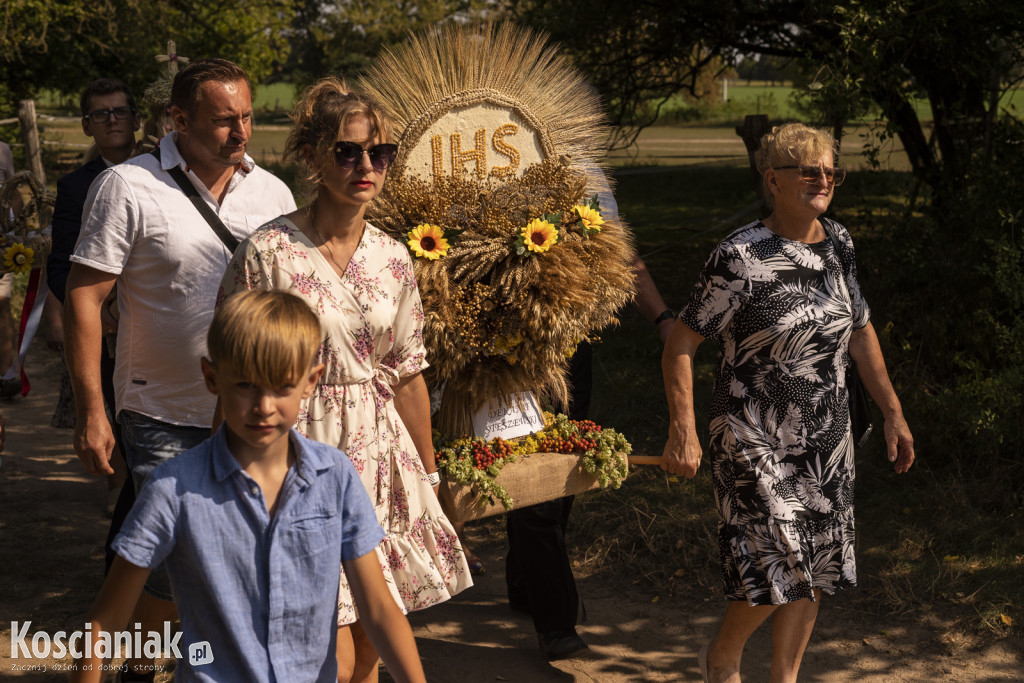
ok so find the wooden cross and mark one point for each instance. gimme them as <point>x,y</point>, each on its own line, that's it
<point>172,58</point>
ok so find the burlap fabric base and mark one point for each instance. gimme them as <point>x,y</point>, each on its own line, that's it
<point>532,479</point>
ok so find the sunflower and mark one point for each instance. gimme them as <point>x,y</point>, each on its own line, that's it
<point>539,235</point>
<point>18,258</point>
<point>427,241</point>
<point>589,218</point>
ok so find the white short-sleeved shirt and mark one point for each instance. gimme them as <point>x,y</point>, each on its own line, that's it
<point>140,226</point>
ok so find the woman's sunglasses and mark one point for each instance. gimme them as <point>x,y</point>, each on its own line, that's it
<point>348,154</point>
<point>812,173</point>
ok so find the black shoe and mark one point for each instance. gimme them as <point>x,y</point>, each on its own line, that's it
<point>9,388</point>
<point>561,643</point>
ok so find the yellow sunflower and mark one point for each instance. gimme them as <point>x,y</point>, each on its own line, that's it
<point>590,218</point>
<point>18,258</point>
<point>427,241</point>
<point>539,235</point>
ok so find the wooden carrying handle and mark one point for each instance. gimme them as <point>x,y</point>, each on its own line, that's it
<point>644,459</point>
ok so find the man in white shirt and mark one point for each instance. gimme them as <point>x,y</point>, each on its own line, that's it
<point>143,233</point>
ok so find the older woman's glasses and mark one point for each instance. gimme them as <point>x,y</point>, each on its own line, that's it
<point>812,173</point>
<point>103,115</point>
<point>348,154</point>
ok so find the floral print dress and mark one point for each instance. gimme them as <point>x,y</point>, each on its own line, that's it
<point>780,444</point>
<point>372,322</point>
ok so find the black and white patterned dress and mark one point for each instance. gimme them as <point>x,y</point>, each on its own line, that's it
<point>781,451</point>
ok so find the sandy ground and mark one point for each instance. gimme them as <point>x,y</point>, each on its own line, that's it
<point>52,527</point>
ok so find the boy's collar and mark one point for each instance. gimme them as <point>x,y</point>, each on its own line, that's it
<point>308,461</point>
<point>224,464</point>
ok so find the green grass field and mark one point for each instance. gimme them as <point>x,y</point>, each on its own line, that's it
<point>713,141</point>
<point>665,146</point>
<point>778,102</point>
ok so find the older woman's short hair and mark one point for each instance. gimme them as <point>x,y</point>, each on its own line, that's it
<point>269,338</point>
<point>790,144</point>
<point>320,117</point>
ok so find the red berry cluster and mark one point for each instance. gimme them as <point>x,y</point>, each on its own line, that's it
<point>483,456</point>
<point>485,453</point>
<point>585,426</point>
<point>570,444</point>
<point>501,448</point>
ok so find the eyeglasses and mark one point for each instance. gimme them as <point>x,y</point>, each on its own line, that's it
<point>812,173</point>
<point>348,155</point>
<point>103,115</point>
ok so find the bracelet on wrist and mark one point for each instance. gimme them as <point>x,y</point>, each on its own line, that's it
<point>434,478</point>
<point>667,314</point>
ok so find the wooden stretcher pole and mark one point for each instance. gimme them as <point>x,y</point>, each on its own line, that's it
<point>644,459</point>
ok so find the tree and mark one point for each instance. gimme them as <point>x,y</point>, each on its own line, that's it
<point>959,54</point>
<point>63,44</point>
<point>639,54</point>
<point>343,37</point>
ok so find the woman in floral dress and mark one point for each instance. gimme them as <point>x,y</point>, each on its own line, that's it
<point>372,401</point>
<point>785,307</point>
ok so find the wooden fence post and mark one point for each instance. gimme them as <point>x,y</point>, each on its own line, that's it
<point>30,135</point>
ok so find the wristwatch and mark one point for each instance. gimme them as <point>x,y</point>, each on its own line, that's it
<point>667,314</point>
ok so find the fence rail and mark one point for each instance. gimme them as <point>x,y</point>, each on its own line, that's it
<point>28,119</point>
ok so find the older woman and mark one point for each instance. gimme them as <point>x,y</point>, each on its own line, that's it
<point>784,305</point>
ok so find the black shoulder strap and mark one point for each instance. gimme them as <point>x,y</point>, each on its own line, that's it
<point>229,240</point>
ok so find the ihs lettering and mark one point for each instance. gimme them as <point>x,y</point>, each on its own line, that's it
<point>477,154</point>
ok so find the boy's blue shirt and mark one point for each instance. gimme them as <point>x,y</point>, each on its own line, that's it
<point>261,591</point>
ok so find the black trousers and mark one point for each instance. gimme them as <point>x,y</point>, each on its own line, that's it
<point>537,570</point>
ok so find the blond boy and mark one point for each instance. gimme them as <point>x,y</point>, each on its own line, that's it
<point>251,524</point>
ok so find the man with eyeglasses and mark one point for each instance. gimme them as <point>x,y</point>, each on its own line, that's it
<point>166,251</point>
<point>110,119</point>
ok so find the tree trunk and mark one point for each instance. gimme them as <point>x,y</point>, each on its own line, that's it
<point>904,120</point>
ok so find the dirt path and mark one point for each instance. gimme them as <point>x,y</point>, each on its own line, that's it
<point>52,527</point>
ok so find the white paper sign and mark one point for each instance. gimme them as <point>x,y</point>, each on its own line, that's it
<point>508,418</point>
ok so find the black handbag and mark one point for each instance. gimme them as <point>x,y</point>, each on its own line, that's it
<point>860,408</point>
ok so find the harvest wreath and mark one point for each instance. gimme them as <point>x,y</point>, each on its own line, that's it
<point>493,191</point>
<point>513,275</point>
<point>476,463</point>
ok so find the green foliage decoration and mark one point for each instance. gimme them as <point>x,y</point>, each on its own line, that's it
<point>606,456</point>
<point>477,462</point>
